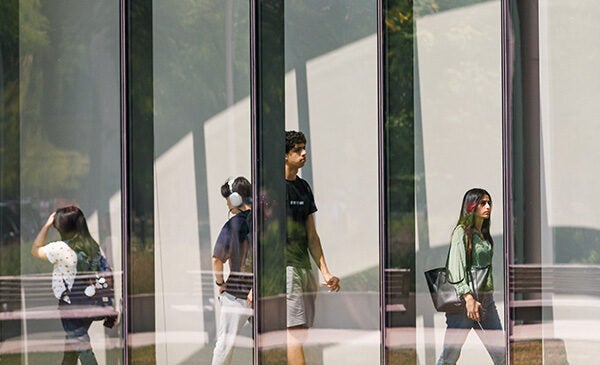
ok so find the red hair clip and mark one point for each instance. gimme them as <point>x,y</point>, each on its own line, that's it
<point>471,207</point>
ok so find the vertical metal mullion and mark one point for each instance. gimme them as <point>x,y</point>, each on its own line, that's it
<point>254,165</point>
<point>381,178</point>
<point>125,181</point>
<point>507,46</point>
<point>268,137</point>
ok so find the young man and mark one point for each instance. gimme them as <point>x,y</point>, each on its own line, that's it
<point>233,246</point>
<point>302,240</point>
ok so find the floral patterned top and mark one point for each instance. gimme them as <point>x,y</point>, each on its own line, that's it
<point>64,260</point>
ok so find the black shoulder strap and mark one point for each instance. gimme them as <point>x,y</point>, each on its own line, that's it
<point>469,252</point>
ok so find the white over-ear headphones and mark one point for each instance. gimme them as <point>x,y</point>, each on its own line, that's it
<point>234,198</point>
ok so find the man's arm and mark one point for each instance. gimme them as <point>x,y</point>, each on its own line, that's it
<point>316,251</point>
<point>218,271</point>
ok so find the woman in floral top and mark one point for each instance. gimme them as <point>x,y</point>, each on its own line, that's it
<point>75,238</point>
<point>472,246</point>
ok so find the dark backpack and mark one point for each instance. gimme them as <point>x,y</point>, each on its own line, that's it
<point>93,283</point>
<point>248,264</point>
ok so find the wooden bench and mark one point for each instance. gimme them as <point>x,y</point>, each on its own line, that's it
<point>397,289</point>
<point>530,285</point>
<point>28,297</point>
<point>399,307</point>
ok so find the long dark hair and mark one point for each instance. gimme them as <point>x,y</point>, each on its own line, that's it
<point>466,219</point>
<point>72,226</point>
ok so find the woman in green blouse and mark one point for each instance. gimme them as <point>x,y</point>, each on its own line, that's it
<point>472,245</point>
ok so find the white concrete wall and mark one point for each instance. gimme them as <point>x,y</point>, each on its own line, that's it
<point>570,88</point>
<point>343,155</point>
<point>342,94</point>
<point>179,331</point>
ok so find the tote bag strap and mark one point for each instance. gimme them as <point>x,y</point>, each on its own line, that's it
<point>467,267</point>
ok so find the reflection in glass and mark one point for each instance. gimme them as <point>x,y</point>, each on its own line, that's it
<point>234,248</point>
<point>302,245</point>
<point>200,122</point>
<point>81,281</point>
<point>399,263</point>
<point>442,85</point>
<point>554,269</point>
<point>469,267</point>
<point>330,76</point>
<point>60,144</point>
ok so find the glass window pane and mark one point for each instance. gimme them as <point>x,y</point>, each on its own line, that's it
<point>556,229</point>
<point>60,146</point>
<point>200,82</point>
<point>331,97</point>
<point>443,137</point>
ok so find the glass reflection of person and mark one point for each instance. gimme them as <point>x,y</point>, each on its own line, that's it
<point>302,239</point>
<point>75,239</point>
<point>233,247</point>
<point>471,240</point>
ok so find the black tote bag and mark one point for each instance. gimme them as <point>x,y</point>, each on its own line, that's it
<point>442,290</point>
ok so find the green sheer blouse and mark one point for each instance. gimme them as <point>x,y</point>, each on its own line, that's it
<point>457,263</point>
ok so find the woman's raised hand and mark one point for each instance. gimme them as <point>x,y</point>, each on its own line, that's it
<point>50,220</point>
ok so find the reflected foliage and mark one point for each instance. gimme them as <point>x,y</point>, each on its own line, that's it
<point>576,245</point>
<point>56,158</point>
<point>271,284</point>
<point>399,38</point>
<point>141,114</point>
<point>427,7</point>
<point>399,108</point>
<point>192,80</point>
<point>270,112</point>
<point>9,100</point>
<point>54,115</point>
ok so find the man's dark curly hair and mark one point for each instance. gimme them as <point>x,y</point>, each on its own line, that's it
<point>293,138</point>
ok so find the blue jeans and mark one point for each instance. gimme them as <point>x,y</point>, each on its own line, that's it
<point>459,326</point>
<point>78,345</point>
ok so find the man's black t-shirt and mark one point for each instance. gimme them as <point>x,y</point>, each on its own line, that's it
<point>300,204</point>
<point>234,246</point>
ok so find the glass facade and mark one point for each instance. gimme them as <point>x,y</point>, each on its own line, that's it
<point>555,235</point>
<point>443,136</point>
<point>190,76</point>
<point>60,143</point>
<point>330,56</point>
<point>144,113</point>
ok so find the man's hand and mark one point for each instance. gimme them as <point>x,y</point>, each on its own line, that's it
<point>249,299</point>
<point>332,282</point>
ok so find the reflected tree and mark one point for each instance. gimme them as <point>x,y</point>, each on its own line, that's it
<point>399,119</point>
